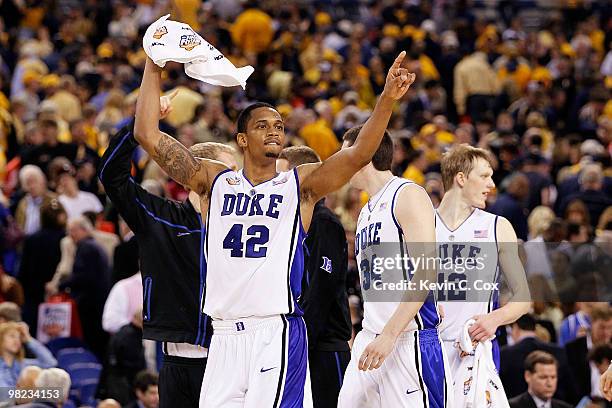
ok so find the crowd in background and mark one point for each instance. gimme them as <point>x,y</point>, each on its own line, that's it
<point>530,83</point>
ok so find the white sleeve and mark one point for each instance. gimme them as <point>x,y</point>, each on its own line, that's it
<point>115,314</point>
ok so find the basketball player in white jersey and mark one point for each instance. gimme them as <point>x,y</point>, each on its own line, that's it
<point>255,228</point>
<point>465,231</point>
<point>397,359</point>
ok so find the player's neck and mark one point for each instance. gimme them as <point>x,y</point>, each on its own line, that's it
<point>454,209</point>
<point>258,173</point>
<point>375,180</point>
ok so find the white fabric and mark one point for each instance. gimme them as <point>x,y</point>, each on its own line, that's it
<point>185,350</point>
<point>377,235</point>
<point>166,40</point>
<point>477,382</point>
<point>242,370</point>
<point>124,299</point>
<point>475,235</point>
<point>395,384</point>
<point>83,202</point>
<point>252,235</point>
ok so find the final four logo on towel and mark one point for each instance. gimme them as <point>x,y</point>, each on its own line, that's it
<point>160,32</point>
<point>232,181</point>
<point>189,42</point>
<point>327,265</point>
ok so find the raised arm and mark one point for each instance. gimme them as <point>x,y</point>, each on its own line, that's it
<point>415,214</point>
<point>318,180</point>
<point>171,155</point>
<point>519,302</point>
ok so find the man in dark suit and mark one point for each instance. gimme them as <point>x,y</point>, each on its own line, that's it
<point>578,350</point>
<point>145,387</point>
<point>512,358</point>
<point>541,378</point>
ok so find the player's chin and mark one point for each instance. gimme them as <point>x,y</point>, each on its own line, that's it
<point>272,151</point>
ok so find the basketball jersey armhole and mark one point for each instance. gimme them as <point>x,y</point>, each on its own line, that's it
<point>299,203</point>
<point>399,188</point>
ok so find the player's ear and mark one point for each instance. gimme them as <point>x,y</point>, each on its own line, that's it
<point>460,179</point>
<point>241,138</point>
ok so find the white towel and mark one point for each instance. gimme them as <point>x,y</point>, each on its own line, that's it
<point>166,40</point>
<point>477,383</point>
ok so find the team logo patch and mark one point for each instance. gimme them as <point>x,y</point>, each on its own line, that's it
<point>232,181</point>
<point>382,206</point>
<point>327,265</point>
<point>239,326</point>
<point>160,32</point>
<point>189,42</point>
<point>481,233</point>
<point>281,181</point>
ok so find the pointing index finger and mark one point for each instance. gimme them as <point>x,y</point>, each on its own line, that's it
<point>398,61</point>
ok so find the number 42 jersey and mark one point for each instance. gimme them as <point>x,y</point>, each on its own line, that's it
<point>253,246</point>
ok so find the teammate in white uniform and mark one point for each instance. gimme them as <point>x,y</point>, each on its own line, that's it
<point>255,227</point>
<point>399,340</point>
<point>478,243</point>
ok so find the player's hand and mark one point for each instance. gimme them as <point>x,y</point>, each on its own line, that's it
<point>398,79</point>
<point>376,352</point>
<point>165,106</point>
<point>605,383</point>
<point>484,328</point>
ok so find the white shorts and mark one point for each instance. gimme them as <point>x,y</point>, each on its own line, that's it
<point>413,375</point>
<point>256,362</point>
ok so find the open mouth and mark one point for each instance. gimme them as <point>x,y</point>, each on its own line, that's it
<point>272,143</point>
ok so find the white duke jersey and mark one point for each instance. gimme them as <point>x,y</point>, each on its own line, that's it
<point>253,246</point>
<point>379,235</point>
<point>475,243</point>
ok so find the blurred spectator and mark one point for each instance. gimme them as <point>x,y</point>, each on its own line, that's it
<point>52,378</point>
<point>539,181</point>
<point>41,155</point>
<point>124,299</point>
<point>88,283</point>
<point>9,312</point>
<point>510,204</point>
<point>75,201</point>
<point>126,359</point>
<point>27,381</point>
<point>577,324</point>
<point>541,374</point>
<point>40,257</point>
<point>108,403</point>
<point>253,30</point>
<point>417,163</point>
<point>145,387</point>
<point>599,358</point>
<point>585,372</point>
<point>34,183</point>
<point>475,86</point>
<point>591,193</point>
<point>125,256</point>
<point>13,338</point>
<point>513,357</point>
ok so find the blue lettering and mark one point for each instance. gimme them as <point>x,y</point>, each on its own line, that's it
<point>474,250</point>
<point>457,251</point>
<point>444,251</point>
<point>255,206</point>
<point>242,204</point>
<point>228,204</point>
<point>275,200</point>
<point>357,243</point>
<point>364,238</point>
<point>376,239</point>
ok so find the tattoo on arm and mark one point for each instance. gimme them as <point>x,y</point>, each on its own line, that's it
<point>177,161</point>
